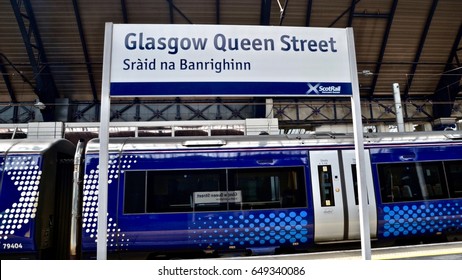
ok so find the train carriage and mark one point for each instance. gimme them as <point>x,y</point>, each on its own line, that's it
<point>199,195</point>
<point>220,194</point>
<point>36,188</point>
<point>420,189</point>
<point>269,193</point>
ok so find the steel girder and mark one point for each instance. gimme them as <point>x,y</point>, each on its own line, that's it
<point>265,12</point>
<point>314,112</point>
<point>6,77</point>
<point>449,84</point>
<point>309,7</point>
<point>217,12</point>
<point>85,50</point>
<point>173,7</point>
<point>296,112</point>
<point>9,87</point>
<point>418,53</point>
<point>386,34</point>
<point>170,110</point>
<point>123,5</point>
<point>45,87</point>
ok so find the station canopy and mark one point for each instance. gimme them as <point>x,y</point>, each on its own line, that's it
<point>51,50</point>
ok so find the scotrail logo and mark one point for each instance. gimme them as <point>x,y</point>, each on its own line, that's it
<point>318,89</point>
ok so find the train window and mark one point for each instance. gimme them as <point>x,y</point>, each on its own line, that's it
<point>412,181</point>
<point>264,188</point>
<point>135,192</point>
<point>355,183</point>
<point>186,190</point>
<point>326,185</point>
<point>209,190</point>
<point>454,176</point>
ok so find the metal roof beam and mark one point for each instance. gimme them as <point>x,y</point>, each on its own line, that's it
<point>217,11</point>
<point>170,12</point>
<point>172,7</point>
<point>85,50</point>
<point>352,12</point>
<point>6,78</point>
<point>423,37</point>
<point>370,15</point>
<point>449,83</point>
<point>123,4</point>
<point>265,12</point>
<point>455,48</point>
<point>391,15</point>
<point>24,78</point>
<point>364,14</point>
<point>9,87</point>
<point>309,9</point>
<point>45,86</point>
<point>283,12</point>
<point>79,114</point>
<point>344,13</point>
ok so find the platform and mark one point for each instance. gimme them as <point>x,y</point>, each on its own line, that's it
<point>438,251</point>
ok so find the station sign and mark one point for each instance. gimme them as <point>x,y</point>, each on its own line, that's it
<point>225,60</point>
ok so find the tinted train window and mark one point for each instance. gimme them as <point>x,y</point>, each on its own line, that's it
<point>185,190</point>
<point>454,175</point>
<point>412,181</point>
<point>174,191</point>
<point>264,188</point>
<point>135,192</point>
<point>213,190</point>
<point>355,184</point>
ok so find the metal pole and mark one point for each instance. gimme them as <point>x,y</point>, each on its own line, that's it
<point>101,247</point>
<point>398,107</point>
<point>359,151</point>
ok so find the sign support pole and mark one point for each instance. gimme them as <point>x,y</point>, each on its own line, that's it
<point>359,151</point>
<point>101,246</point>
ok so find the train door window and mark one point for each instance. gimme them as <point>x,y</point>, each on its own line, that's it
<point>264,188</point>
<point>186,190</point>
<point>326,185</point>
<point>355,183</point>
<point>454,177</point>
<point>412,181</point>
<point>135,192</point>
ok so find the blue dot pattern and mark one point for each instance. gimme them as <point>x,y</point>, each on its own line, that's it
<point>115,236</point>
<point>250,229</point>
<point>262,229</point>
<point>421,218</point>
<point>21,181</point>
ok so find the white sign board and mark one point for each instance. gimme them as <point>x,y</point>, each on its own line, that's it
<point>200,60</point>
<point>217,197</point>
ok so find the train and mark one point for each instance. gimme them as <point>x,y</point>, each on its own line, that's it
<point>225,194</point>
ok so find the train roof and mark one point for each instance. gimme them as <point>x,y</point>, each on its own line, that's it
<point>34,146</point>
<point>267,141</point>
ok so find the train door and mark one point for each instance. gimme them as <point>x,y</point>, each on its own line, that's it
<point>329,216</point>
<point>335,196</point>
<point>351,187</point>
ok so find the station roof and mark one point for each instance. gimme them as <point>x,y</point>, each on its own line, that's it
<point>54,49</point>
